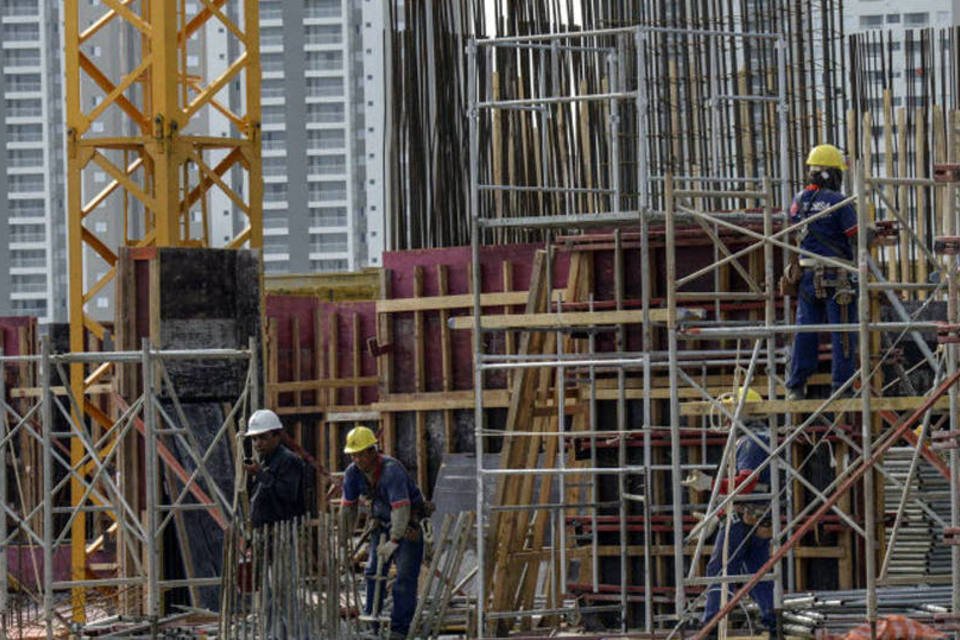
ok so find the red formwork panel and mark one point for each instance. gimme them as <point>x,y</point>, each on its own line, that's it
<point>309,313</point>
<point>400,269</point>
<point>11,329</point>
<point>457,260</point>
<point>9,334</point>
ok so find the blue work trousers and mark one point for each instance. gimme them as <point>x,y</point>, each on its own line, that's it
<point>814,310</point>
<point>747,553</point>
<point>408,557</point>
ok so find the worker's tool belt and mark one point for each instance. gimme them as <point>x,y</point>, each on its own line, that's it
<point>418,512</point>
<point>754,514</point>
<point>833,282</point>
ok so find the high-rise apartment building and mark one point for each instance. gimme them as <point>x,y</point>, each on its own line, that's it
<point>323,93</point>
<point>33,250</point>
<point>322,131</point>
<point>897,18</point>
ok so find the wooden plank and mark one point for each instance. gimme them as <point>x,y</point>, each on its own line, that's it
<point>503,525</point>
<point>455,301</point>
<point>440,401</point>
<point>333,355</point>
<point>900,403</point>
<point>295,359</point>
<point>893,264</point>
<point>36,392</point>
<point>920,141</point>
<point>385,364</point>
<point>906,274</point>
<point>510,339</point>
<point>419,382</point>
<point>273,362</point>
<point>446,357</point>
<point>336,383</point>
<point>356,357</point>
<point>559,320</point>
<point>319,364</point>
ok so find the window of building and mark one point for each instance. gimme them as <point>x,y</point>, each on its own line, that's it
<point>26,208</point>
<point>271,37</point>
<point>22,32</point>
<point>325,60</point>
<point>869,21</point>
<point>22,58</point>
<point>23,108</point>
<point>330,242</point>
<point>893,18</point>
<point>328,216</point>
<point>323,8</point>
<point>25,157</point>
<point>25,183</point>
<point>328,191</point>
<point>274,166</point>
<point>324,34</point>
<point>25,133</point>
<point>325,112</point>
<point>324,87</point>
<point>273,113</point>
<point>275,192</point>
<point>29,283</point>
<point>27,233</point>
<point>326,266</point>
<point>19,8</point>
<point>327,165</point>
<point>274,139</point>
<point>28,258</point>
<point>30,307</point>
<point>326,139</point>
<point>916,19</point>
<point>23,82</point>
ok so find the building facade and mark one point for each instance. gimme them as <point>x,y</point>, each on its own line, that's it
<point>33,255</point>
<point>322,107</point>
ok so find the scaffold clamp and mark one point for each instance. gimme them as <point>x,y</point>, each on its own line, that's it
<point>946,172</point>
<point>946,245</point>
<point>948,333</point>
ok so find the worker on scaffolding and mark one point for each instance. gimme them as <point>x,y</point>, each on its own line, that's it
<point>397,508</point>
<point>743,538</point>
<point>824,292</point>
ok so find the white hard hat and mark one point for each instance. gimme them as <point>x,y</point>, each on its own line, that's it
<point>263,421</point>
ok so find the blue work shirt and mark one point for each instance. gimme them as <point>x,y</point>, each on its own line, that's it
<point>750,455</point>
<point>830,235</point>
<point>392,488</point>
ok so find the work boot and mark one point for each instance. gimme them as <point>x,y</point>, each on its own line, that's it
<point>796,393</point>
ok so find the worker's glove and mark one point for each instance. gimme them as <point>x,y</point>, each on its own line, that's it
<point>698,480</point>
<point>386,550</point>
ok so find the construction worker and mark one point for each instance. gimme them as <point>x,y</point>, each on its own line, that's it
<point>824,293</point>
<point>397,506</point>
<point>277,476</point>
<point>277,480</point>
<point>748,543</point>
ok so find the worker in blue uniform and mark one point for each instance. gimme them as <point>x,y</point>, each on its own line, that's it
<point>397,507</point>
<point>748,543</point>
<point>825,293</point>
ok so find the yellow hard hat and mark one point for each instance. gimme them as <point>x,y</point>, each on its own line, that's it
<point>734,398</point>
<point>826,155</point>
<point>359,439</point>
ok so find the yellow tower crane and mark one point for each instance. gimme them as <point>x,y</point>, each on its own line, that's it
<point>136,123</point>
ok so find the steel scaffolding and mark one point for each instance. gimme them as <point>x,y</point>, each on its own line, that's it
<point>154,423</point>
<point>743,216</point>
